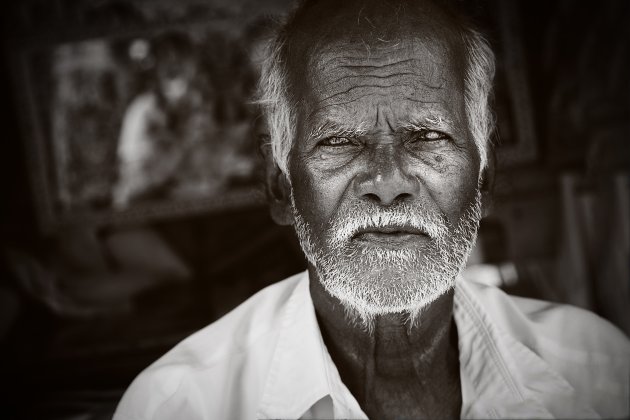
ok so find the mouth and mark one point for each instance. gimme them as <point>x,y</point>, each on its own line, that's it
<point>392,236</point>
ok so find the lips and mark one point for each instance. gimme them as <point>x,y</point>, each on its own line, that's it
<point>391,236</point>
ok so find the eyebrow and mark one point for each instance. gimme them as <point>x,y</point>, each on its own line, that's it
<point>430,121</point>
<point>425,121</point>
<point>335,129</point>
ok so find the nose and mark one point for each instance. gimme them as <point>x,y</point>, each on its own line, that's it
<point>385,178</point>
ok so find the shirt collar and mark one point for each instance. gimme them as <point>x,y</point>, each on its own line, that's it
<point>302,372</point>
<point>501,377</point>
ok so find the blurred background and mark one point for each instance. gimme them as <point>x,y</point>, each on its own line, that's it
<point>133,214</point>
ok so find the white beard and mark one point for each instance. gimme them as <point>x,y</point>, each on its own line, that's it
<point>372,280</point>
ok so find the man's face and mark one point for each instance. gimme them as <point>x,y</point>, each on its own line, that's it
<point>384,173</point>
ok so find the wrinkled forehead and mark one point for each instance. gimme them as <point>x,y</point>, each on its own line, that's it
<point>429,60</point>
<point>371,32</point>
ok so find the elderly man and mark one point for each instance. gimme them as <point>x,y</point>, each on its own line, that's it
<point>379,125</point>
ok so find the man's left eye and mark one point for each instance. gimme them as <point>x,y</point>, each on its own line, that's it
<point>335,141</point>
<point>430,135</point>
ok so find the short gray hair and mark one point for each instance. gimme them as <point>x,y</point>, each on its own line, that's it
<point>280,113</point>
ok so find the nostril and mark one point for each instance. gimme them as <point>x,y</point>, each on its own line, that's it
<point>402,197</point>
<point>372,197</point>
<point>387,199</point>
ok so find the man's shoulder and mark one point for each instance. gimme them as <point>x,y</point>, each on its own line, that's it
<point>233,349</point>
<point>540,322</point>
<point>239,329</point>
<point>573,344</point>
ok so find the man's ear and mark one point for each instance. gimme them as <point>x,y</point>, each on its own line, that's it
<point>487,183</point>
<point>277,187</point>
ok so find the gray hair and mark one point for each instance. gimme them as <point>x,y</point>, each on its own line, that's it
<point>280,113</point>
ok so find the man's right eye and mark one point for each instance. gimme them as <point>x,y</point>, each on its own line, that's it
<point>336,141</point>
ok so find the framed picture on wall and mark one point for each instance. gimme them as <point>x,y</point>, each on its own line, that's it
<point>149,122</point>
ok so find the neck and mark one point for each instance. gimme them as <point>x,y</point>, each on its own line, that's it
<point>423,354</point>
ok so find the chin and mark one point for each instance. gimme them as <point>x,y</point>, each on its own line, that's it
<point>370,290</point>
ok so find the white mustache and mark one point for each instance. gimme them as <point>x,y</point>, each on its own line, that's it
<point>355,219</point>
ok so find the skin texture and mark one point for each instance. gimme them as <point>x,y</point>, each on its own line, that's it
<point>376,86</point>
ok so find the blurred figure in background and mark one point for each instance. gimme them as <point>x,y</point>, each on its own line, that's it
<point>165,132</point>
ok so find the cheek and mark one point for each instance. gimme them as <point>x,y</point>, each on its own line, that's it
<point>317,194</point>
<point>454,187</point>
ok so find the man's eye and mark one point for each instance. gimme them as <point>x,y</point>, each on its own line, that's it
<point>430,135</point>
<point>336,141</point>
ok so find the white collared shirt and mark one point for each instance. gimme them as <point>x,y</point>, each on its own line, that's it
<point>519,358</point>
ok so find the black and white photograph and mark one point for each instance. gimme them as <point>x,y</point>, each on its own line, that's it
<point>315,209</point>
